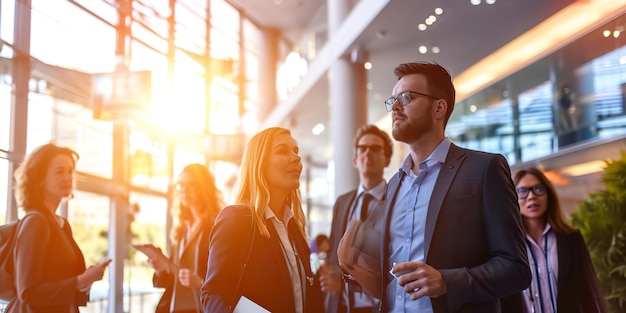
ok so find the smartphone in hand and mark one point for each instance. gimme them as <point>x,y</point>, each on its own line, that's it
<point>105,262</point>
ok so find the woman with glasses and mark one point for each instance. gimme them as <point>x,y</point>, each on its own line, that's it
<point>563,277</point>
<point>182,275</point>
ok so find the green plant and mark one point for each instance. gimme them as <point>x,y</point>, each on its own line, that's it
<point>602,221</point>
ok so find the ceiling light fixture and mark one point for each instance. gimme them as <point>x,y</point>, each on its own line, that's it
<point>318,129</point>
<point>584,168</point>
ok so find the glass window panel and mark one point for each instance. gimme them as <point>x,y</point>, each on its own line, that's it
<point>535,121</point>
<point>62,34</point>
<point>7,20</point>
<point>106,9</point>
<point>148,162</point>
<point>5,107</point>
<point>88,215</point>
<point>72,126</point>
<point>4,180</point>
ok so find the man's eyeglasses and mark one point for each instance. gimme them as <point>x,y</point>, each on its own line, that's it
<point>405,98</point>
<point>538,190</point>
<point>360,149</point>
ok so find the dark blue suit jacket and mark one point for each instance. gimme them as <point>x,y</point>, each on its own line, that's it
<point>265,277</point>
<point>473,234</point>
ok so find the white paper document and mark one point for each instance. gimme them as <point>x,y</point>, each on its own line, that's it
<point>245,305</point>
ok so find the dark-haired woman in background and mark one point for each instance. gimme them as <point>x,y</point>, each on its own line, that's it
<point>50,274</point>
<point>563,277</point>
<point>200,203</point>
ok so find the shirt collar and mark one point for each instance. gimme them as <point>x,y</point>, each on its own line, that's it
<point>377,191</point>
<point>436,157</point>
<point>287,214</point>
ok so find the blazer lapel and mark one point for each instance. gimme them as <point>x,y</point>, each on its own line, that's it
<point>448,171</point>
<point>347,207</point>
<point>189,242</point>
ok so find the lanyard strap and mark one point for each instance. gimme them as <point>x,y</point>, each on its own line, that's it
<point>538,279</point>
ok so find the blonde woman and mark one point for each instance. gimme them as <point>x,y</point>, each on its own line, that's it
<point>258,249</point>
<point>200,203</point>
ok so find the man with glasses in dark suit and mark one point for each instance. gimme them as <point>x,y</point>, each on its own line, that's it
<point>453,240</point>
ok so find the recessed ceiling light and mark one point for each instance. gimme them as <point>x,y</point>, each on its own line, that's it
<point>422,26</point>
<point>318,129</point>
<point>475,2</point>
<point>606,33</point>
<point>367,65</point>
<point>438,11</point>
<point>435,50</point>
<point>422,49</point>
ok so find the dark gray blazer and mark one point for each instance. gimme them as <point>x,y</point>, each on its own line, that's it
<point>473,234</point>
<point>47,264</point>
<point>341,210</point>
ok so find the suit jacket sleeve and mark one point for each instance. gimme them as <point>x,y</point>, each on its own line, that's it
<point>46,266</point>
<point>504,269</point>
<point>228,249</point>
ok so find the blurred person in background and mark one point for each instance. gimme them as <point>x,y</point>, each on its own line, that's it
<point>200,201</point>
<point>563,276</point>
<point>372,153</point>
<point>50,273</point>
<point>259,250</point>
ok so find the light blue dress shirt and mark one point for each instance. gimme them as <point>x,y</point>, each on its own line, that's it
<point>408,220</point>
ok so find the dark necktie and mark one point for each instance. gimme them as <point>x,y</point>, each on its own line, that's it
<point>364,205</point>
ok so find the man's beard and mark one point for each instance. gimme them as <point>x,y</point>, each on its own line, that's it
<point>409,132</point>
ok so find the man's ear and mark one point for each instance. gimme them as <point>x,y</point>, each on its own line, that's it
<point>441,106</point>
<point>387,161</point>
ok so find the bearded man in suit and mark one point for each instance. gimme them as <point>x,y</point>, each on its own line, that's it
<point>453,237</point>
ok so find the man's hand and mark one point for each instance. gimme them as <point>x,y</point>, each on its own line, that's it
<point>331,278</point>
<point>420,279</point>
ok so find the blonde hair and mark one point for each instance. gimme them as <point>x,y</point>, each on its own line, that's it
<point>211,198</point>
<point>254,191</point>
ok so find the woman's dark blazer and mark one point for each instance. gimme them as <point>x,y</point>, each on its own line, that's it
<point>48,262</point>
<point>578,289</point>
<point>577,285</point>
<point>264,278</point>
<point>195,256</point>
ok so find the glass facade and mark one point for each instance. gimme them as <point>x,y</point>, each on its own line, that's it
<point>562,100</point>
<point>205,97</point>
